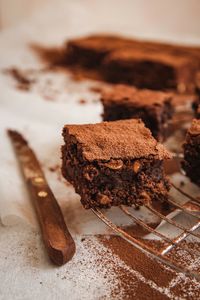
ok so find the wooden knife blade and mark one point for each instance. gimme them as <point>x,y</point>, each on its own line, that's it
<point>57,239</point>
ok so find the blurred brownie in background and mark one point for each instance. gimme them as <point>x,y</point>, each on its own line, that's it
<point>152,70</point>
<point>191,147</point>
<point>153,107</point>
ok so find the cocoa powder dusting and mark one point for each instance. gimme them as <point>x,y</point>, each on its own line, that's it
<point>22,80</point>
<point>138,231</point>
<point>52,56</point>
<point>55,59</point>
<point>146,270</point>
<point>57,170</point>
<point>132,283</point>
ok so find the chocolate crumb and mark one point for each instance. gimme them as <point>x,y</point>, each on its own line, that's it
<point>82,101</point>
<point>54,168</point>
<point>182,183</point>
<point>55,60</point>
<point>23,82</point>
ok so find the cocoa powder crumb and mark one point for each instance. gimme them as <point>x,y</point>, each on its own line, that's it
<point>170,283</point>
<point>57,170</point>
<point>82,101</point>
<point>23,82</point>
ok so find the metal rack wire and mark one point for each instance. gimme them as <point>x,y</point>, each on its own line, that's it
<point>191,208</point>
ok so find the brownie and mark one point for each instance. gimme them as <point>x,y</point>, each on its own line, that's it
<point>114,163</point>
<point>89,51</point>
<point>153,107</point>
<point>152,70</point>
<point>191,147</point>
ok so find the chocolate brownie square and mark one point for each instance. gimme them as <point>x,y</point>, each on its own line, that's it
<point>89,51</point>
<point>145,69</point>
<point>191,147</point>
<point>153,107</point>
<point>114,163</point>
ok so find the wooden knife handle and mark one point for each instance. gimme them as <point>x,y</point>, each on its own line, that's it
<point>58,241</point>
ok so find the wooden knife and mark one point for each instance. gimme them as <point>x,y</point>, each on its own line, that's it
<point>57,239</point>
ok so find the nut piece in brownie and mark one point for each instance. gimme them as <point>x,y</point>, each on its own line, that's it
<point>89,51</point>
<point>113,163</point>
<point>153,107</point>
<point>144,69</point>
<point>191,147</point>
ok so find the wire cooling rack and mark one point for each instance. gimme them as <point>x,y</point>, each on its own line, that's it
<point>191,208</point>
